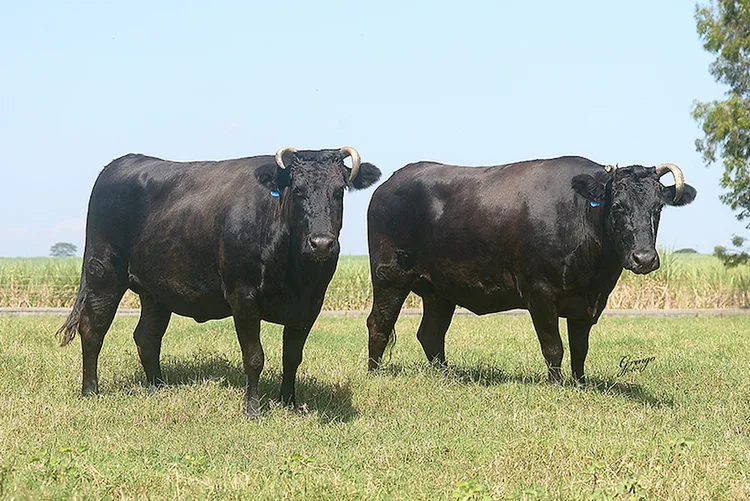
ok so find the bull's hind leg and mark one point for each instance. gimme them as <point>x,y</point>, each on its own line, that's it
<point>436,318</point>
<point>294,342</point>
<point>247,323</point>
<point>105,286</point>
<point>578,338</point>
<point>148,335</point>
<point>546,322</point>
<point>386,306</point>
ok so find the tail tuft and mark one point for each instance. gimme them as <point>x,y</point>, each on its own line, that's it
<point>67,332</point>
<point>391,343</point>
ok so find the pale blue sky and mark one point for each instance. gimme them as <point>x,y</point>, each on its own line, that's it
<point>459,82</point>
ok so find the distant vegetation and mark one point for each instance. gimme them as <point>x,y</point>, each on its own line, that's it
<point>685,280</point>
<point>686,251</point>
<point>63,249</point>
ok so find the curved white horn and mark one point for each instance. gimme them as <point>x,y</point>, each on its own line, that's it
<point>611,169</point>
<point>679,178</point>
<point>356,160</point>
<point>280,155</point>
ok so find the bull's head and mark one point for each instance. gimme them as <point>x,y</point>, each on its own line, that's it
<point>632,198</point>
<point>313,182</point>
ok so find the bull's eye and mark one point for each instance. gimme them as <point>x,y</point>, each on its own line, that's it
<point>618,207</point>
<point>297,192</point>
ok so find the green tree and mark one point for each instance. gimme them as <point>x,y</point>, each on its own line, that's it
<point>724,27</point>
<point>63,249</point>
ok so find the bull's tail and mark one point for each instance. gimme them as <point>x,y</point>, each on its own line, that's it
<point>67,332</point>
<point>391,343</point>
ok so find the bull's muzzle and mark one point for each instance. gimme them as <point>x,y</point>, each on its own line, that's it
<point>644,261</point>
<point>321,246</point>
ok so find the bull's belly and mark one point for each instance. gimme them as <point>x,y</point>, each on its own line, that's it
<point>492,303</point>
<point>484,288</point>
<point>480,296</point>
<point>203,303</point>
<point>483,302</point>
<point>197,297</point>
<point>201,308</point>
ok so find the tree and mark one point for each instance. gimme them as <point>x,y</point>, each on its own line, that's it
<point>724,27</point>
<point>63,249</point>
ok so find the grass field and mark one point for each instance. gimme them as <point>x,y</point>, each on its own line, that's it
<point>683,281</point>
<point>487,428</point>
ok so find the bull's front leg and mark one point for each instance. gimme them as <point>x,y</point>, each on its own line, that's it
<point>294,342</point>
<point>546,322</point>
<point>247,323</point>
<point>578,337</point>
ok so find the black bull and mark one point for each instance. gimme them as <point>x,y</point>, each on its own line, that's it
<point>255,238</point>
<point>549,236</point>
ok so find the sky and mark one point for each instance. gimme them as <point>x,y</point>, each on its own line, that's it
<point>470,83</point>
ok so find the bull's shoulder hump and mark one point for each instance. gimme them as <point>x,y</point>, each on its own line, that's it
<point>434,169</point>
<point>573,162</point>
<point>130,159</point>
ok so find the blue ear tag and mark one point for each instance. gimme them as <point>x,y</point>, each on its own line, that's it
<point>274,193</point>
<point>594,204</point>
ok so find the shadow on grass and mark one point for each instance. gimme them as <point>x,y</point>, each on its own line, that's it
<point>332,401</point>
<point>631,391</point>
<point>488,375</point>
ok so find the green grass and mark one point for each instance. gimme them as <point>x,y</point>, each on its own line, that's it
<point>683,281</point>
<point>487,428</point>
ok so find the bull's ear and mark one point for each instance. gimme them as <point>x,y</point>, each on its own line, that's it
<point>367,176</point>
<point>589,188</point>
<point>688,195</point>
<point>273,178</point>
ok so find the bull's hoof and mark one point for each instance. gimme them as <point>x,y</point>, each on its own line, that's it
<point>252,408</point>
<point>438,363</point>
<point>288,402</point>
<point>158,385</point>
<point>373,365</point>
<point>555,376</point>
<point>90,390</point>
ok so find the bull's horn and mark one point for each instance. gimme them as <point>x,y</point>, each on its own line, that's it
<point>679,178</point>
<point>348,151</point>
<point>280,155</point>
<point>611,169</point>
